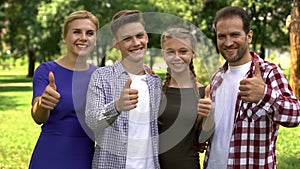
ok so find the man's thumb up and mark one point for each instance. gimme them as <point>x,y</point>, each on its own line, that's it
<point>257,72</point>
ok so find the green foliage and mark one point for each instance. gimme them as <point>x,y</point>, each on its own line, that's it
<point>35,26</point>
<point>113,55</point>
<point>206,13</point>
<point>268,17</point>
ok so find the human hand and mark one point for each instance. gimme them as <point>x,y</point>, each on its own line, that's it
<point>50,96</point>
<point>128,98</point>
<point>204,105</point>
<point>252,89</point>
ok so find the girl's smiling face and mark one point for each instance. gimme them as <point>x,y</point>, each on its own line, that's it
<point>178,55</point>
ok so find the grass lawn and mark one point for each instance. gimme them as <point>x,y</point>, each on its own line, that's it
<point>18,132</point>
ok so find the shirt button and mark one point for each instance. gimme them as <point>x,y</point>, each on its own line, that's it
<point>249,112</point>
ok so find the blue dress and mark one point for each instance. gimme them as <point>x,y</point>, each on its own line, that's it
<point>65,141</point>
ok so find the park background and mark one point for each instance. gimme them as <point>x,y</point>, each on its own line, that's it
<point>30,33</point>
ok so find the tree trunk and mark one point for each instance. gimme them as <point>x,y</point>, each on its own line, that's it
<point>295,48</point>
<point>31,66</point>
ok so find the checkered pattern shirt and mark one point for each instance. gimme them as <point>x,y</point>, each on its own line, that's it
<point>109,126</point>
<point>253,140</point>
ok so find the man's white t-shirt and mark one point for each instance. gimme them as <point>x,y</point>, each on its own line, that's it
<point>226,96</point>
<point>139,150</point>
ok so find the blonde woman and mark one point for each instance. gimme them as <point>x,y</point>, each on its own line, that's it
<point>57,99</point>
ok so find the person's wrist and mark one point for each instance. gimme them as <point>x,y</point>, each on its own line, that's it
<point>116,105</point>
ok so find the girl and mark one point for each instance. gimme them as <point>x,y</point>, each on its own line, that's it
<point>181,92</point>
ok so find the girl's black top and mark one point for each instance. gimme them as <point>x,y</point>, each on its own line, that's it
<point>178,136</point>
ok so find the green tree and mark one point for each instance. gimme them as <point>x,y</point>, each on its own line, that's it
<point>34,26</point>
<point>22,29</point>
<point>2,26</point>
<point>268,20</point>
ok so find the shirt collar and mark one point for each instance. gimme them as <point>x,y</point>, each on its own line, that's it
<point>120,69</point>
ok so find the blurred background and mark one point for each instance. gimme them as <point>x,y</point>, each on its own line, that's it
<point>30,33</point>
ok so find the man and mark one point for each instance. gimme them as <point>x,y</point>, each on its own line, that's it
<point>123,101</point>
<point>251,99</point>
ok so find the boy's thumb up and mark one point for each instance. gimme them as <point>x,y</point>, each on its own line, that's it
<point>127,84</point>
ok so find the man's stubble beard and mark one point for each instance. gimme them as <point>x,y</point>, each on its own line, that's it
<point>239,55</point>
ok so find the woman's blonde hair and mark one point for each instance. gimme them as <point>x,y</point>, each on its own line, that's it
<point>82,14</point>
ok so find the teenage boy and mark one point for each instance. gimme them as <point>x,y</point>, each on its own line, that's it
<point>123,101</point>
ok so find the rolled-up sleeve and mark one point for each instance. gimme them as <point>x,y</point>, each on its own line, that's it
<point>100,108</point>
<point>279,101</point>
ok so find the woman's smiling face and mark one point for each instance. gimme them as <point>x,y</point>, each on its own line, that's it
<point>81,37</point>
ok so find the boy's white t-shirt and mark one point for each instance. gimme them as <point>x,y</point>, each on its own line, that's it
<point>224,115</point>
<point>139,150</point>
